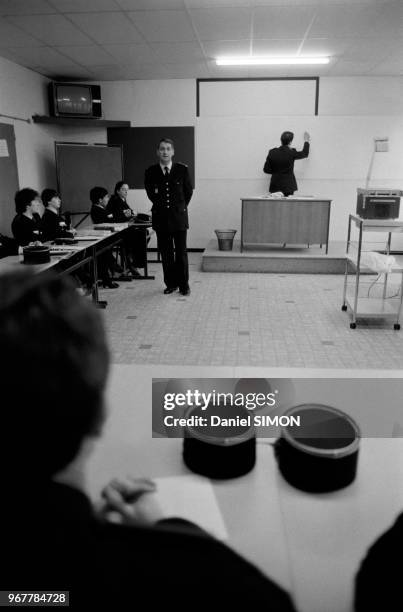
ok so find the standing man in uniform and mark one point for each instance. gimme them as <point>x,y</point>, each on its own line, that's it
<point>280,164</point>
<point>169,188</point>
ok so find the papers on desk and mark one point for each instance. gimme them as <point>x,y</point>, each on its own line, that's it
<point>58,249</point>
<point>277,195</point>
<point>91,234</point>
<point>191,498</point>
<point>113,227</point>
<point>59,253</point>
<point>88,237</point>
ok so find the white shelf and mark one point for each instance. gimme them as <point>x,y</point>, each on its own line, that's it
<point>374,308</point>
<point>371,307</point>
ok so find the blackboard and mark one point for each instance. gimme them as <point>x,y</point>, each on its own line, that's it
<point>140,146</point>
<point>80,167</point>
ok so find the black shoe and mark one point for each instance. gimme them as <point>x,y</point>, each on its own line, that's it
<point>135,273</point>
<point>169,290</point>
<point>184,291</point>
<point>109,284</point>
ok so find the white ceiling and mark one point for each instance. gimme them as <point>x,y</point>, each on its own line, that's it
<point>154,39</point>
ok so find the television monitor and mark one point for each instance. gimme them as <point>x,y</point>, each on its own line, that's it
<point>75,100</point>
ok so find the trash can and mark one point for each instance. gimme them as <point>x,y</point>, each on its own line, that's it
<point>225,239</point>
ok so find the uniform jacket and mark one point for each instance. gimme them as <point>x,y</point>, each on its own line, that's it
<point>378,581</point>
<point>99,214</point>
<point>8,246</point>
<point>170,196</point>
<point>26,230</point>
<point>59,544</point>
<point>50,225</point>
<point>280,164</point>
<point>116,207</point>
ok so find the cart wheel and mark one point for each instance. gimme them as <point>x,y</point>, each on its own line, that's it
<point>344,307</point>
<point>353,325</point>
<point>396,326</point>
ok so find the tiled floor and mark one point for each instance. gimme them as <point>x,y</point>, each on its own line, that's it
<point>245,319</point>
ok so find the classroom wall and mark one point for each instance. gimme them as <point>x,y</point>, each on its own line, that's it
<point>23,94</point>
<point>230,150</point>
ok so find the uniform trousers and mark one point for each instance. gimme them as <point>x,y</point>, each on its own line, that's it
<point>172,247</point>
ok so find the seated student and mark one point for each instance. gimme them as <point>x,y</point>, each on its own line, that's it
<point>26,224</point>
<point>122,213</point>
<point>53,223</point>
<point>378,581</point>
<point>99,199</point>
<point>51,537</point>
<point>118,205</point>
<point>8,246</point>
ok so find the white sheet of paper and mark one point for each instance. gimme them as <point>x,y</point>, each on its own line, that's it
<point>192,498</point>
<point>87,238</point>
<point>68,248</point>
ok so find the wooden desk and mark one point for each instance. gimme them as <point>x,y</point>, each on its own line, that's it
<point>284,221</point>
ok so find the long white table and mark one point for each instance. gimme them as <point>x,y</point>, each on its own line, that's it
<point>310,544</point>
<point>65,259</point>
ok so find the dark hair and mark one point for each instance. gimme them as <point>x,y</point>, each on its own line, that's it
<point>118,186</point>
<point>286,138</point>
<point>23,199</point>
<point>168,140</point>
<point>47,195</point>
<point>54,363</point>
<point>97,193</point>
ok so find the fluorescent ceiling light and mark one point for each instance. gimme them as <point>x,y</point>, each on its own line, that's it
<point>267,61</point>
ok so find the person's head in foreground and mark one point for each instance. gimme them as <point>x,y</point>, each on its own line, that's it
<point>54,365</point>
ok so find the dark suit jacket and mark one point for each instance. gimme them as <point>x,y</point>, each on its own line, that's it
<point>101,215</point>
<point>8,246</point>
<point>379,580</point>
<point>50,225</point>
<point>116,207</point>
<point>280,164</point>
<point>50,539</point>
<point>170,197</point>
<point>26,230</point>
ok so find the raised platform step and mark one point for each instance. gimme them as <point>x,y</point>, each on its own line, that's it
<point>292,259</point>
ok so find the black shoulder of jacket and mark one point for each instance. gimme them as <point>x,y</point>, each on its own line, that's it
<point>180,164</point>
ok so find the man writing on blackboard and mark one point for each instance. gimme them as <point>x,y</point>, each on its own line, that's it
<point>169,188</point>
<point>280,164</point>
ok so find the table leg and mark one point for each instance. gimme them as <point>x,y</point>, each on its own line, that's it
<point>95,294</point>
<point>146,275</point>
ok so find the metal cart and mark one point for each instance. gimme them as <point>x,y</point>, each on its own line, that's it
<point>364,307</point>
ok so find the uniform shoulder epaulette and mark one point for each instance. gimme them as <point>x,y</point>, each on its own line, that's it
<point>181,164</point>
